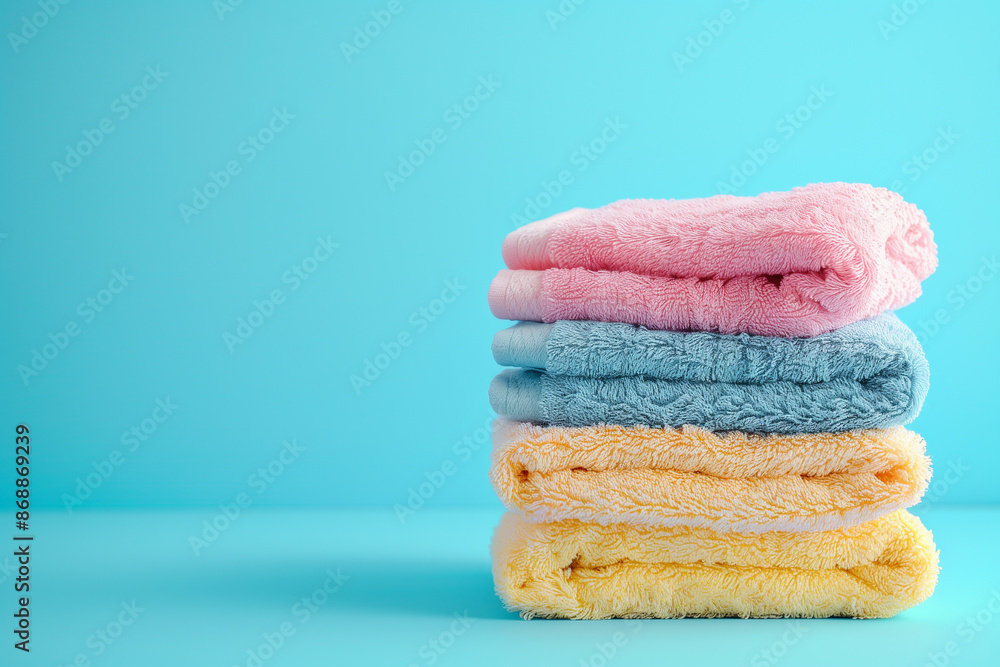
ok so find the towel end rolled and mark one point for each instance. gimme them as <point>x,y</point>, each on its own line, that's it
<point>517,295</point>
<point>517,394</point>
<point>527,247</point>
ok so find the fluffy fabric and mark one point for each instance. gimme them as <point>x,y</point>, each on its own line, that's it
<point>691,477</point>
<point>870,374</point>
<point>795,263</point>
<point>571,569</point>
<point>880,347</point>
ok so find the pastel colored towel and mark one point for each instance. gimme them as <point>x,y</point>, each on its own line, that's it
<point>870,374</point>
<point>795,263</point>
<point>691,477</point>
<point>571,569</point>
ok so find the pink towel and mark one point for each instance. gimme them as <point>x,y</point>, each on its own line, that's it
<point>796,263</point>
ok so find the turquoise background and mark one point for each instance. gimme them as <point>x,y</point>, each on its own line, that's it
<point>323,176</point>
<point>898,80</point>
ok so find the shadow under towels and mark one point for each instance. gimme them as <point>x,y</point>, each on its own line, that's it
<point>870,374</point>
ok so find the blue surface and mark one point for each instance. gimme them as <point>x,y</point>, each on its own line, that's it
<point>401,586</point>
<point>164,335</point>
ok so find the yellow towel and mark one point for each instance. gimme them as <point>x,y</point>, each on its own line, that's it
<point>692,477</point>
<point>571,569</point>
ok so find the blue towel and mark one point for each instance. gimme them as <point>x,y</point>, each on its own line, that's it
<point>870,374</point>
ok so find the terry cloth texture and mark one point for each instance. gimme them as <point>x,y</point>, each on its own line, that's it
<point>692,477</point>
<point>870,374</point>
<point>795,263</point>
<point>571,569</point>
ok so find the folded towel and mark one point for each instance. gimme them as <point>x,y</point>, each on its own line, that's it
<point>571,569</point>
<point>870,374</point>
<point>795,263</point>
<point>691,477</point>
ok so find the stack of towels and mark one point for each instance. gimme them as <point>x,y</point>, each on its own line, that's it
<point>705,414</point>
